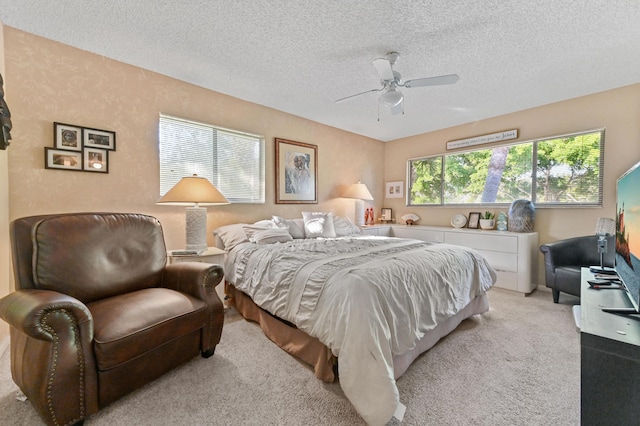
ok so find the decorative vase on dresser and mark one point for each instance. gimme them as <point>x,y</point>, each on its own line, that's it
<point>522,215</point>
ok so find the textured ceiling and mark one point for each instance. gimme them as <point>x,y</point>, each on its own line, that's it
<point>300,56</point>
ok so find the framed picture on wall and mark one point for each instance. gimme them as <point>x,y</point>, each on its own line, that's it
<point>67,136</point>
<point>394,189</point>
<point>296,172</point>
<point>96,160</point>
<point>62,159</point>
<point>102,139</point>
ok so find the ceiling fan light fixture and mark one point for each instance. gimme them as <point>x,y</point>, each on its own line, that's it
<point>391,97</point>
<point>398,109</point>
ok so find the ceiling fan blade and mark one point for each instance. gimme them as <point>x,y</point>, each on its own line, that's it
<point>383,66</point>
<point>357,94</point>
<point>432,81</point>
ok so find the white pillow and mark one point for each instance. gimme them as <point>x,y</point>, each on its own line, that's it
<point>267,223</point>
<point>251,230</point>
<point>232,235</point>
<point>343,226</point>
<point>271,236</point>
<point>318,224</point>
<point>295,226</point>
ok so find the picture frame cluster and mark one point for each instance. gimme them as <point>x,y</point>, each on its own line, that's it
<point>79,148</point>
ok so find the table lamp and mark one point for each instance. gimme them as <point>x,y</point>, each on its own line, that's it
<point>605,227</point>
<point>194,192</point>
<point>360,192</point>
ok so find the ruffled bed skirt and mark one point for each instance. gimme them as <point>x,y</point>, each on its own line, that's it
<point>316,354</point>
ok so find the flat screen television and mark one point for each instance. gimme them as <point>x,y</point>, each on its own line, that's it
<point>628,237</point>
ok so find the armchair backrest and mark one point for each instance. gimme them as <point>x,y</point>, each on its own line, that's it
<point>88,256</point>
<point>578,251</point>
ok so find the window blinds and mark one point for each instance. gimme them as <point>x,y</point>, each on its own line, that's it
<point>233,161</point>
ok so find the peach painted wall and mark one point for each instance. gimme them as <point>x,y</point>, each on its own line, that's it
<point>51,82</point>
<point>47,81</point>
<point>616,110</point>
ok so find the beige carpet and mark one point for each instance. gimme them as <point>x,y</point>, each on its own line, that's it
<point>518,364</point>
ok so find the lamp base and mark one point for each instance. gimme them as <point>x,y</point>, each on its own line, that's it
<point>196,229</point>
<point>359,219</point>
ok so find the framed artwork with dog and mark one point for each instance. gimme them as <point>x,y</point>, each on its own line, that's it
<point>296,172</point>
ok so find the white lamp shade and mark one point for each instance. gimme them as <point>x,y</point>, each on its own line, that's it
<point>359,191</point>
<point>605,226</point>
<point>193,190</point>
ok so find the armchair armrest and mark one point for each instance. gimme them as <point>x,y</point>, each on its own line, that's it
<point>199,280</point>
<point>29,310</point>
<point>194,278</point>
<point>57,372</point>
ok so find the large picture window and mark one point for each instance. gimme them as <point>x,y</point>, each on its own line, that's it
<point>563,170</point>
<point>233,161</point>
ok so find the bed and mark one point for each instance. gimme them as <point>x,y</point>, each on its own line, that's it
<point>373,303</point>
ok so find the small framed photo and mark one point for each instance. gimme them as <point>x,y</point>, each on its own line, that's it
<point>96,160</point>
<point>62,159</point>
<point>67,136</point>
<point>474,220</point>
<point>102,139</point>
<point>394,189</point>
<point>386,215</point>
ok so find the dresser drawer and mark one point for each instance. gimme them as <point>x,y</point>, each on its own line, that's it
<point>493,242</point>
<point>505,262</point>
<point>429,235</point>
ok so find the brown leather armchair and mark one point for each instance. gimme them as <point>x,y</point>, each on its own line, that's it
<point>97,313</point>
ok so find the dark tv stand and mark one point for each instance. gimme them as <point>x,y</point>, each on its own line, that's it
<point>609,358</point>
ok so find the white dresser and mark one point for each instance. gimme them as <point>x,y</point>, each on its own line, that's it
<point>514,255</point>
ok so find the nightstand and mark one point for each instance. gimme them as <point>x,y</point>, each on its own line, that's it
<point>211,255</point>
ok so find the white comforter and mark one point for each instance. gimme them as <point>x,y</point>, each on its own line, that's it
<point>366,298</point>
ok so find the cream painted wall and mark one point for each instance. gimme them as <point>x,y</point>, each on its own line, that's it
<point>51,82</point>
<point>5,274</point>
<point>616,110</point>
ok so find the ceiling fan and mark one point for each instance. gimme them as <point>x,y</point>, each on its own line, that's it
<point>391,81</point>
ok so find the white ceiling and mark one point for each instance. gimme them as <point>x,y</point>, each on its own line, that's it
<point>299,56</point>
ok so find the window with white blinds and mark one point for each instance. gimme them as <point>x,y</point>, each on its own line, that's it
<point>233,161</point>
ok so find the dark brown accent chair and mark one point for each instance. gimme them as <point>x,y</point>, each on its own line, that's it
<point>97,313</point>
<point>563,260</point>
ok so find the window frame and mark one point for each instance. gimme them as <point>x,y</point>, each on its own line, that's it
<point>534,170</point>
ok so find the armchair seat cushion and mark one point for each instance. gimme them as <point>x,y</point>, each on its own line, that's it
<point>132,324</point>
<point>568,279</point>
